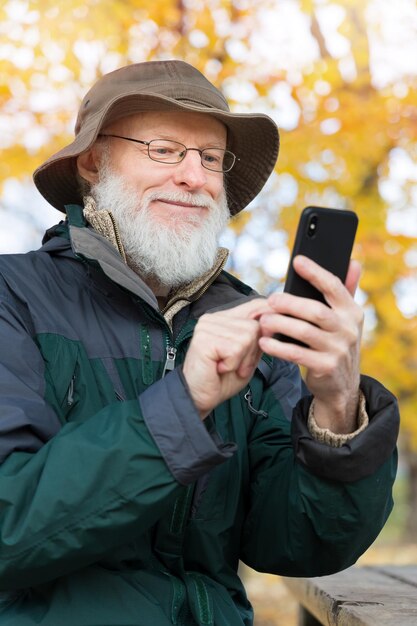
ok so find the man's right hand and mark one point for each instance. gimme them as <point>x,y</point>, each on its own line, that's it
<point>223,354</point>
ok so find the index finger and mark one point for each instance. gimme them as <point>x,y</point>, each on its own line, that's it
<point>252,309</point>
<point>353,276</point>
<point>332,288</point>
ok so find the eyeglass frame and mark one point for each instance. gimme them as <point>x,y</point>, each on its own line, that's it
<point>148,143</point>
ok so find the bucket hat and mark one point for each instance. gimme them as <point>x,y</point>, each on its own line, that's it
<point>169,85</point>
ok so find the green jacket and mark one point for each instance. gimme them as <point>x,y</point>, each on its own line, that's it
<point>118,506</point>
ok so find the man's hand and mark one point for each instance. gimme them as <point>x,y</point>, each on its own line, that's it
<point>333,335</point>
<point>223,354</point>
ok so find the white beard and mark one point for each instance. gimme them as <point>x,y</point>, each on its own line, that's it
<point>171,254</point>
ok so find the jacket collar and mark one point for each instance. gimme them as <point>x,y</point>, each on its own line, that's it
<point>102,248</point>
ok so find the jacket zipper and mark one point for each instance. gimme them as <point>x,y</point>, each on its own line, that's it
<point>118,239</point>
<point>170,359</point>
<point>171,346</point>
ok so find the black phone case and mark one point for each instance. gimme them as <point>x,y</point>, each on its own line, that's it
<point>329,244</point>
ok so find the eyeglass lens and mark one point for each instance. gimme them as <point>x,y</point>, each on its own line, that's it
<point>167,151</point>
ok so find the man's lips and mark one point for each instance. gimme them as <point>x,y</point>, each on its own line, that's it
<point>182,204</point>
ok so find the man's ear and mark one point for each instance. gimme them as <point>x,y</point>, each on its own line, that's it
<point>87,165</point>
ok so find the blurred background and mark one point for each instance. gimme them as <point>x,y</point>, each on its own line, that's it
<point>338,76</point>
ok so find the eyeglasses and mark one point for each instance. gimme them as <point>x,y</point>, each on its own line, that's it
<point>171,152</point>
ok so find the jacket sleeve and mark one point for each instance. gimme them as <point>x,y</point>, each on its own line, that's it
<point>319,507</point>
<point>71,493</point>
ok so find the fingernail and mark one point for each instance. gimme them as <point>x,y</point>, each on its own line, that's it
<point>301,260</point>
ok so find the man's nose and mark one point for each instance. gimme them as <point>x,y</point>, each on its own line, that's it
<point>190,171</point>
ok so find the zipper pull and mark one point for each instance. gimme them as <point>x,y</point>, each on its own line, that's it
<point>70,393</point>
<point>170,360</point>
<point>248,398</point>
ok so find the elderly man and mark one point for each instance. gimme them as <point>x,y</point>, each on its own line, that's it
<point>153,430</point>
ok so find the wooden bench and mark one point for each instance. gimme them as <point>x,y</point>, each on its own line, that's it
<point>359,596</point>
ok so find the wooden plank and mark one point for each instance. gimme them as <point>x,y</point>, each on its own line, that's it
<point>361,596</point>
<point>405,573</point>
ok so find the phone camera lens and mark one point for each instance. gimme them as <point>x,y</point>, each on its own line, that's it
<point>312,226</point>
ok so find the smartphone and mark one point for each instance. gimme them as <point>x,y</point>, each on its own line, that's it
<point>326,236</point>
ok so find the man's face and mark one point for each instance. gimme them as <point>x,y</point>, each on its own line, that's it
<point>130,161</point>
<point>169,216</point>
